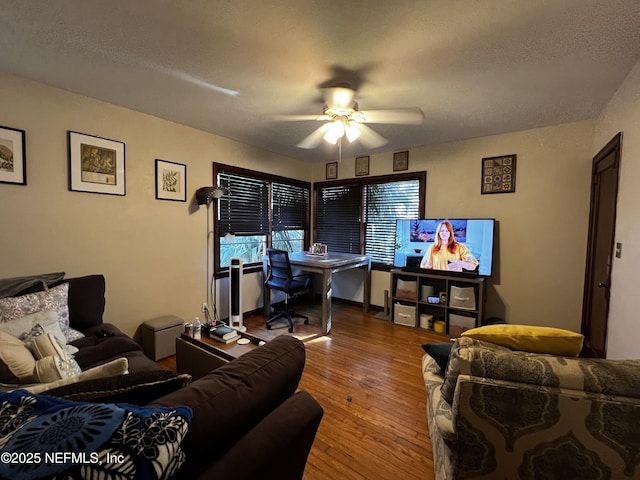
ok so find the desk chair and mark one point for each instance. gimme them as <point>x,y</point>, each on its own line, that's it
<point>280,277</point>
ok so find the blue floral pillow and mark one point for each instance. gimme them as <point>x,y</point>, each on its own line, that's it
<point>47,437</point>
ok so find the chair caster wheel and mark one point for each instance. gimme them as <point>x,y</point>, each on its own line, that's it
<point>306,322</point>
<point>290,329</point>
<point>268,327</point>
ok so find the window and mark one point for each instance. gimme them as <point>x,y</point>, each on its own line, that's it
<point>290,214</point>
<point>359,216</point>
<point>338,217</point>
<point>258,210</point>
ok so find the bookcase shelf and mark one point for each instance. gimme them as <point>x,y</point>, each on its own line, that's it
<point>454,303</point>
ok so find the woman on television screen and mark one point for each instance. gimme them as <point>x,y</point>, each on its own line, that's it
<point>447,254</point>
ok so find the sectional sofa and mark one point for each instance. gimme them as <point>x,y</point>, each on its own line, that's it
<point>244,420</point>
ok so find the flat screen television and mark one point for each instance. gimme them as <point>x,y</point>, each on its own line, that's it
<point>459,246</point>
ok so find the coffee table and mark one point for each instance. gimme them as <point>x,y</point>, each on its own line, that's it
<point>198,356</point>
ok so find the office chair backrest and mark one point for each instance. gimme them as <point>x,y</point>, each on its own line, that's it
<point>279,265</point>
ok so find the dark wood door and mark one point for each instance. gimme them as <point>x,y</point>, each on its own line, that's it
<point>600,248</point>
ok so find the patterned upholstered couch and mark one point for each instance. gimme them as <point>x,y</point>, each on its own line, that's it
<point>503,414</point>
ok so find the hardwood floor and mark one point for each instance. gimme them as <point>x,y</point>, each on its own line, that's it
<point>366,374</point>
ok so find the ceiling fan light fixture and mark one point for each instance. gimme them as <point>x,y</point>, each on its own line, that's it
<point>335,132</point>
<point>343,117</point>
<point>352,131</point>
<point>342,97</point>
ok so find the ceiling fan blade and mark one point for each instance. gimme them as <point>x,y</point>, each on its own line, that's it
<point>339,97</point>
<point>401,116</point>
<point>369,138</point>
<point>313,140</point>
<point>297,118</point>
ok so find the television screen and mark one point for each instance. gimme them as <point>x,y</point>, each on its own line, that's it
<point>457,245</point>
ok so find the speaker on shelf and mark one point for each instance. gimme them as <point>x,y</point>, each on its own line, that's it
<point>235,294</point>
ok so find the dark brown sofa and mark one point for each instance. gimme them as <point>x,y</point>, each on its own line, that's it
<point>249,421</point>
<point>86,302</point>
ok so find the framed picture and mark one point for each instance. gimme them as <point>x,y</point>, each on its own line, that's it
<point>362,166</point>
<point>319,249</point>
<point>13,161</point>
<point>332,170</point>
<point>498,174</point>
<point>400,161</point>
<point>96,165</point>
<point>171,181</point>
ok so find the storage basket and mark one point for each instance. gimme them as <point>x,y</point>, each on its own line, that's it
<point>462,297</point>
<point>404,315</point>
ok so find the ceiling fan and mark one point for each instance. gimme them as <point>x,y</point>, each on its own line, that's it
<point>344,118</point>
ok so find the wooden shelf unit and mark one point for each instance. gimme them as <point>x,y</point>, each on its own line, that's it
<point>406,308</point>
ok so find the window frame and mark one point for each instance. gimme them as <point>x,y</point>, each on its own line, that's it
<point>361,183</point>
<point>221,272</point>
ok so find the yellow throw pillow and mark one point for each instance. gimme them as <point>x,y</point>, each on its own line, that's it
<point>529,338</point>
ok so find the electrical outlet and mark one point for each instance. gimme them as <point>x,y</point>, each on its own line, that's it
<point>205,308</point>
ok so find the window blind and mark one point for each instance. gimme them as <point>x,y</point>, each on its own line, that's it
<point>338,217</point>
<point>360,216</point>
<point>244,207</point>
<point>383,204</point>
<point>290,207</point>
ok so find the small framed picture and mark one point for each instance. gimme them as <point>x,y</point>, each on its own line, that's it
<point>362,166</point>
<point>13,161</point>
<point>498,174</point>
<point>400,161</point>
<point>171,181</point>
<point>332,170</point>
<point>319,249</point>
<point>96,165</point>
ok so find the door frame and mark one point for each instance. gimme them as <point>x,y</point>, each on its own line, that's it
<point>614,146</point>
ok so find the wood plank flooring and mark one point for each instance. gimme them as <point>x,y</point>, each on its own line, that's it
<point>366,374</point>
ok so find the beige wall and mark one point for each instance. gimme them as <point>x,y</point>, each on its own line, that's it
<point>542,226</point>
<point>151,252</point>
<point>623,115</point>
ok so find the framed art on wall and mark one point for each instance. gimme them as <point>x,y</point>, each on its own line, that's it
<point>498,174</point>
<point>13,162</point>
<point>362,166</point>
<point>400,161</point>
<point>171,181</point>
<point>96,164</point>
<point>332,170</point>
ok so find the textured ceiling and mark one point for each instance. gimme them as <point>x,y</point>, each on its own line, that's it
<point>474,67</point>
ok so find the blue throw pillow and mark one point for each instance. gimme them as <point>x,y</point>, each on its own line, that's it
<point>440,353</point>
<point>50,437</point>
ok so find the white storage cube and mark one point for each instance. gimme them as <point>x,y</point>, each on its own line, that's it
<point>404,315</point>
